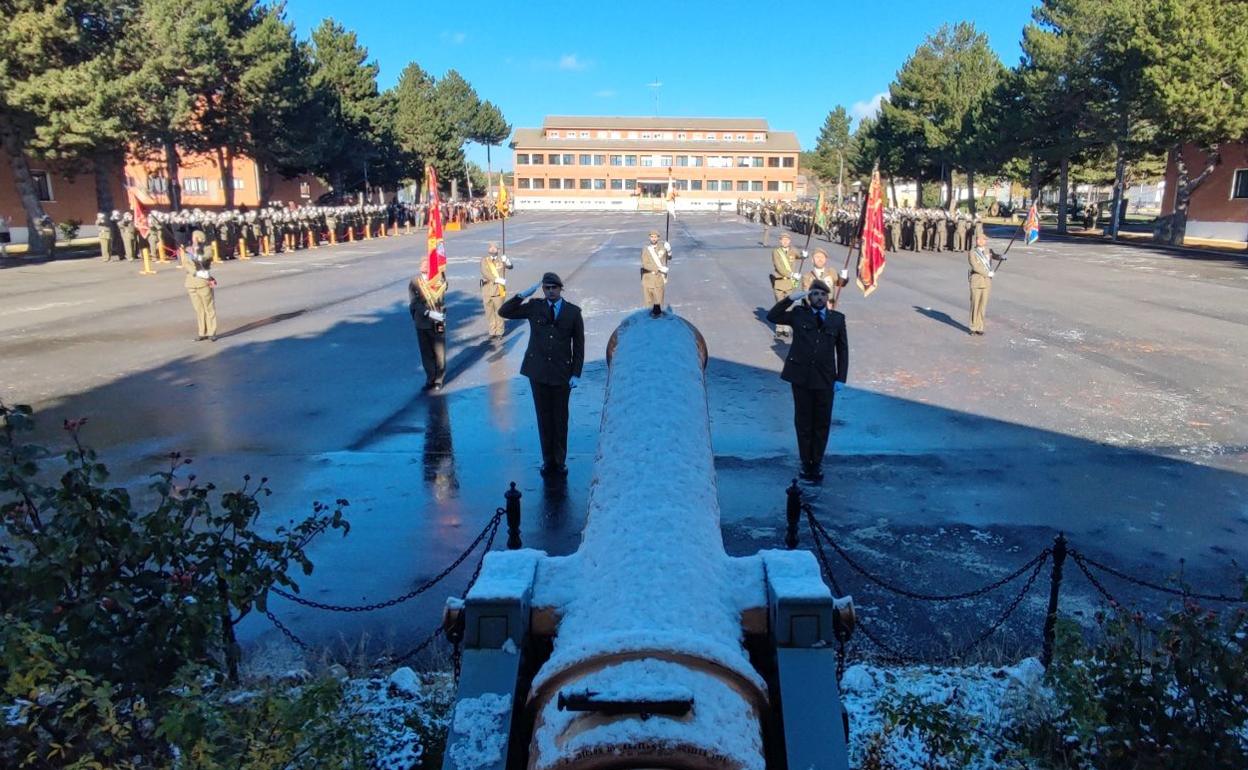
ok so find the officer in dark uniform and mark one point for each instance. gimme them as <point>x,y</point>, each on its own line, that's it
<point>426,301</point>
<point>816,367</point>
<point>552,362</point>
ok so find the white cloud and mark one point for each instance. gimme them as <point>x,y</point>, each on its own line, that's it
<point>868,109</point>
<point>454,38</point>
<point>605,93</point>
<point>570,61</point>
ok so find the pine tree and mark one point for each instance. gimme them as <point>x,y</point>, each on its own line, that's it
<point>344,76</point>
<point>489,129</point>
<point>831,148</point>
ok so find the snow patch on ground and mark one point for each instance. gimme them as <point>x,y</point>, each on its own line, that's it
<point>480,725</point>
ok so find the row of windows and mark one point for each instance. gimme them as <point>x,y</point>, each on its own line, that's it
<point>659,161</point>
<point>658,136</point>
<point>711,185</point>
<point>191,185</point>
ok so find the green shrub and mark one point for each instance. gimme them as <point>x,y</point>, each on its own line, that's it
<point>69,229</point>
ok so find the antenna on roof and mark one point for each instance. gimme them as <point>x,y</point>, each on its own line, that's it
<point>656,85</point>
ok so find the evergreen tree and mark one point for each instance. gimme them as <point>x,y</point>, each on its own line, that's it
<point>831,148</point>
<point>489,129</point>
<point>422,126</point>
<point>343,75</point>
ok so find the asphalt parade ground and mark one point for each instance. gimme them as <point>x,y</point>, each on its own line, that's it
<point>1108,400</point>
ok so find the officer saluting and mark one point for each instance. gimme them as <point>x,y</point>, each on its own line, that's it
<point>494,267</point>
<point>816,367</point>
<point>552,362</point>
<point>654,259</point>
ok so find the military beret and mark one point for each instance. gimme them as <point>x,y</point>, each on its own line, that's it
<point>786,235</point>
<point>818,285</point>
<point>655,233</point>
<point>819,251</point>
<point>551,279</point>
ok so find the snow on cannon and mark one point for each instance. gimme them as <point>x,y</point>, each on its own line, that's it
<point>650,647</point>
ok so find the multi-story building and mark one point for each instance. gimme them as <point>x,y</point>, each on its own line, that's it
<point>620,163</point>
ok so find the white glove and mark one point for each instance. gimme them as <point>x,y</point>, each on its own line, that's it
<point>529,291</point>
<point>844,275</point>
<point>435,315</point>
<point>506,261</point>
<point>797,294</point>
<point>804,254</point>
<point>991,273</point>
<point>795,276</point>
<point>572,383</point>
<point>500,281</point>
<point>663,270</point>
<point>667,246</point>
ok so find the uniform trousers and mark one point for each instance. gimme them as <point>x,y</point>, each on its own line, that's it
<point>551,403</point>
<point>652,290</point>
<point>979,305</point>
<point>204,302</point>
<point>812,417</point>
<point>493,319</point>
<point>432,354</point>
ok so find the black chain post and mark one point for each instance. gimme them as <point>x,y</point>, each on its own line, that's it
<point>513,496</point>
<point>1055,587</point>
<point>792,514</point>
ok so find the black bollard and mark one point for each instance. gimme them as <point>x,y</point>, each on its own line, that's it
<point>513,517</point>
<point>792,514</point>
<point>1055,585</point>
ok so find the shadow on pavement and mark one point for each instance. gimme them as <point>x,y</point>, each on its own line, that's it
<point>944,318</point>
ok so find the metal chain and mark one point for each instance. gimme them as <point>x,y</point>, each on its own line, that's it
<point>1078,557</point>
<point>823,557</point>
<point>428,640</point>
<point>289,634</point>
<point>1009,610</point>
<point>1154,586</point>
<point>491,526</point>
<point>886,585</point>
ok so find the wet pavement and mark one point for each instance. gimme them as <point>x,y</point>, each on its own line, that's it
<point>1108,400</point>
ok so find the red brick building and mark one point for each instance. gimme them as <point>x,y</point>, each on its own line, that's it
<point>1219,207</point>
<point>624,163</point>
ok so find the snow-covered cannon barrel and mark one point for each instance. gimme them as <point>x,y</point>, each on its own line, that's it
<point>650,646</point>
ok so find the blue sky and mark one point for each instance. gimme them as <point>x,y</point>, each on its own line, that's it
<point>789,62</point>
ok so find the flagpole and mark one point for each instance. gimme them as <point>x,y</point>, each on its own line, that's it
<point>1001,256</point>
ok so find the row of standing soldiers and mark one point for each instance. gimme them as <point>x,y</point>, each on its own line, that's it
<point>905,229</point>
<point>272,229</point>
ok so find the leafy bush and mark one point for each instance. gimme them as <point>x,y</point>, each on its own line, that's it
<point>1175,697</point>
<point>69,229</point>
<point>113,611</point>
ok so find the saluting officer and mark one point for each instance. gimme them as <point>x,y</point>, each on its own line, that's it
<point>816,368</point>
<point>654,259</point>
<point>552,362</point>
<point>784,274</point>
<point>494,267</point>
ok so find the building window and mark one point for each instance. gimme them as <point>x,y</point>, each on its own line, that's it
<point>725,185</point>
<point>680,137</point>
<point>630,160</point>
<point>156,185</point>
<point>695,161</point>
<point>195,186</point>
<point>712,185</point>
<point>630,184</point>
<point>786,187</point>
<point>586,160</point>
<point>1240,188</point>
<point>522,159</point>
<point>538,159</point>
<point>568,159</point>
<point>555,184</point>
<point>522,183</point>
<point>756,186</point>
<point>665,161</point>
<point>600,160</point>
<point>617,184</point>
<point>647,160</point>
<point>554,160</point>
<point>760,137</point>
<point>600,184</point>
<point>788,162</point>
<point>740,137</point>
<point>617,160</point>
<point>743,186</point>
<point>569,184</point>
<point>695,184</point>
<point>43,185</point>
<point>539,184</point>
<point>680,184</point>
<point>758,161</point>
<point>552,134</point>
<point>773,187</point>
<point>743,161</point>
<point>305,189</point>
<point>682,160</point>
<point>584,134</point>
<point>587,184</point>
<point>773,161</point>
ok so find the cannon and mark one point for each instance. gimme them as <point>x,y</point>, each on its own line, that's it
<point>649,646</point>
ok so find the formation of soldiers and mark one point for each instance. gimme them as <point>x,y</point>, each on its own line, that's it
<point>243,233</point>
<point>905,228</point>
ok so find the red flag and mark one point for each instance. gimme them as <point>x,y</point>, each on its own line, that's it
<point>871,260</point>
<point>437,248</point>
<point>140,212</point>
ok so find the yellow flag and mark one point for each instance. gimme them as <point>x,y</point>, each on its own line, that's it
<point>503,202</point>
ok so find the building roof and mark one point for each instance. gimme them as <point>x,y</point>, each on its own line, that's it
<point>534,139</point>
<point>674,123</point>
